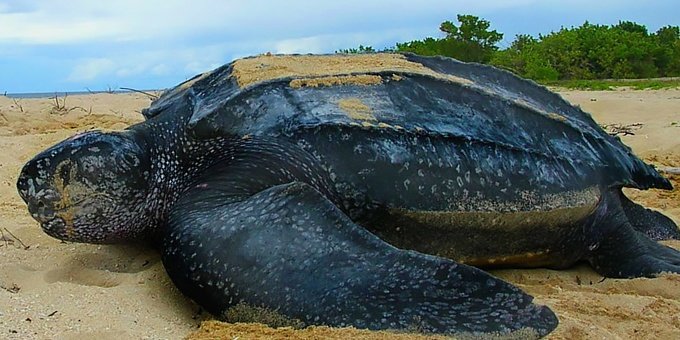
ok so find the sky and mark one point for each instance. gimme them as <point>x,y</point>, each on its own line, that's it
<point>80,45</point>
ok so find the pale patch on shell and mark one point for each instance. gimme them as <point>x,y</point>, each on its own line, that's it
<point>360,79</point>
<point>356,109</point>
<point>552,115</point>
<point>254,70</point>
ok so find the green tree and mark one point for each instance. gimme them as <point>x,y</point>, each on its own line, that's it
<point>589,51</point>
<point>358,50</point>
<point>632,27</point>
<point>625,50</point>
<point>427,46</point>
<point>523,42</point>
<point>471,40</point>
<point>668,35</point>
<point>667,52</point>
<point>526,58</point>
<point>472,30</point>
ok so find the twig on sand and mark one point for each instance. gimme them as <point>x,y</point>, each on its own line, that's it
<point>669,170</point>
<point>13,289</point>
<point>16,238</point>
<point>621,129</point>
<point>16,102</point>
<point>5,239</point>
<point>59,107</point>
<point>150,95</point>
<point>89,111</point>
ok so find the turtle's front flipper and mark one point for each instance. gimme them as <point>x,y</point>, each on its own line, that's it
<point>290,250</point>
<point>618,249</point>
<point>653,224</point>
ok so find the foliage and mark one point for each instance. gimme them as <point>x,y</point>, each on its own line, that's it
<point>472,40</point>
<point>626,50</point>
<point>622,51</point>
<point>358,50</point>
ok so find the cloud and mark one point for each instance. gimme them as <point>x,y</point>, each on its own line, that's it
<point>161,70</point>
<point>50,22</point>
<point>196,67</point>
<point>89,69</point>
<point>123,64</point>
<point>328,43</point>
<point>126,64</point>
<point>300,45</point>
<point>77,21</point>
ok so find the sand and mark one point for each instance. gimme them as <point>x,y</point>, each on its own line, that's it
<point>326,70</point>
<point>50,289</point>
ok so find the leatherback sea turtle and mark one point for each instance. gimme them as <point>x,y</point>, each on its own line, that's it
<point>358,190</point>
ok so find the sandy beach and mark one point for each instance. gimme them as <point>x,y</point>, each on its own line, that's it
<point>50,289</point>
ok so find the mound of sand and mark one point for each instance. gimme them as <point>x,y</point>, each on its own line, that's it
<point>51,289</point>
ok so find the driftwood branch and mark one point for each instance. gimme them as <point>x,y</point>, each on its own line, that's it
<point>669,170</point>
<point>621,129</point>
<point>16,102</point>
<point>150,95</point>
<point>13,236</point>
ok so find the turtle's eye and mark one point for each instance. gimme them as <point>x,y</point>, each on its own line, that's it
<point>130,159</point>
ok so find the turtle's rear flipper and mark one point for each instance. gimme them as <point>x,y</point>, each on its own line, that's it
<point>619,250</point>
<point>649,222</point>
<point>291,251</point>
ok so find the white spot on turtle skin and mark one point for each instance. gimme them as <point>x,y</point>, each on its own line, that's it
<point>31,187</point>
<point>93,149</point>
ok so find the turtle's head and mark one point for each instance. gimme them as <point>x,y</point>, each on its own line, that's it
<point>89,188</point>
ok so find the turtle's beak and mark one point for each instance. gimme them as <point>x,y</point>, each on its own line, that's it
<point>40,200</point>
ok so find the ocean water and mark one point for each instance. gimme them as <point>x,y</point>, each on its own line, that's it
<point>62,94</point>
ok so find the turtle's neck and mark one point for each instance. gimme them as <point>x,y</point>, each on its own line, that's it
<point>176,159</point>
